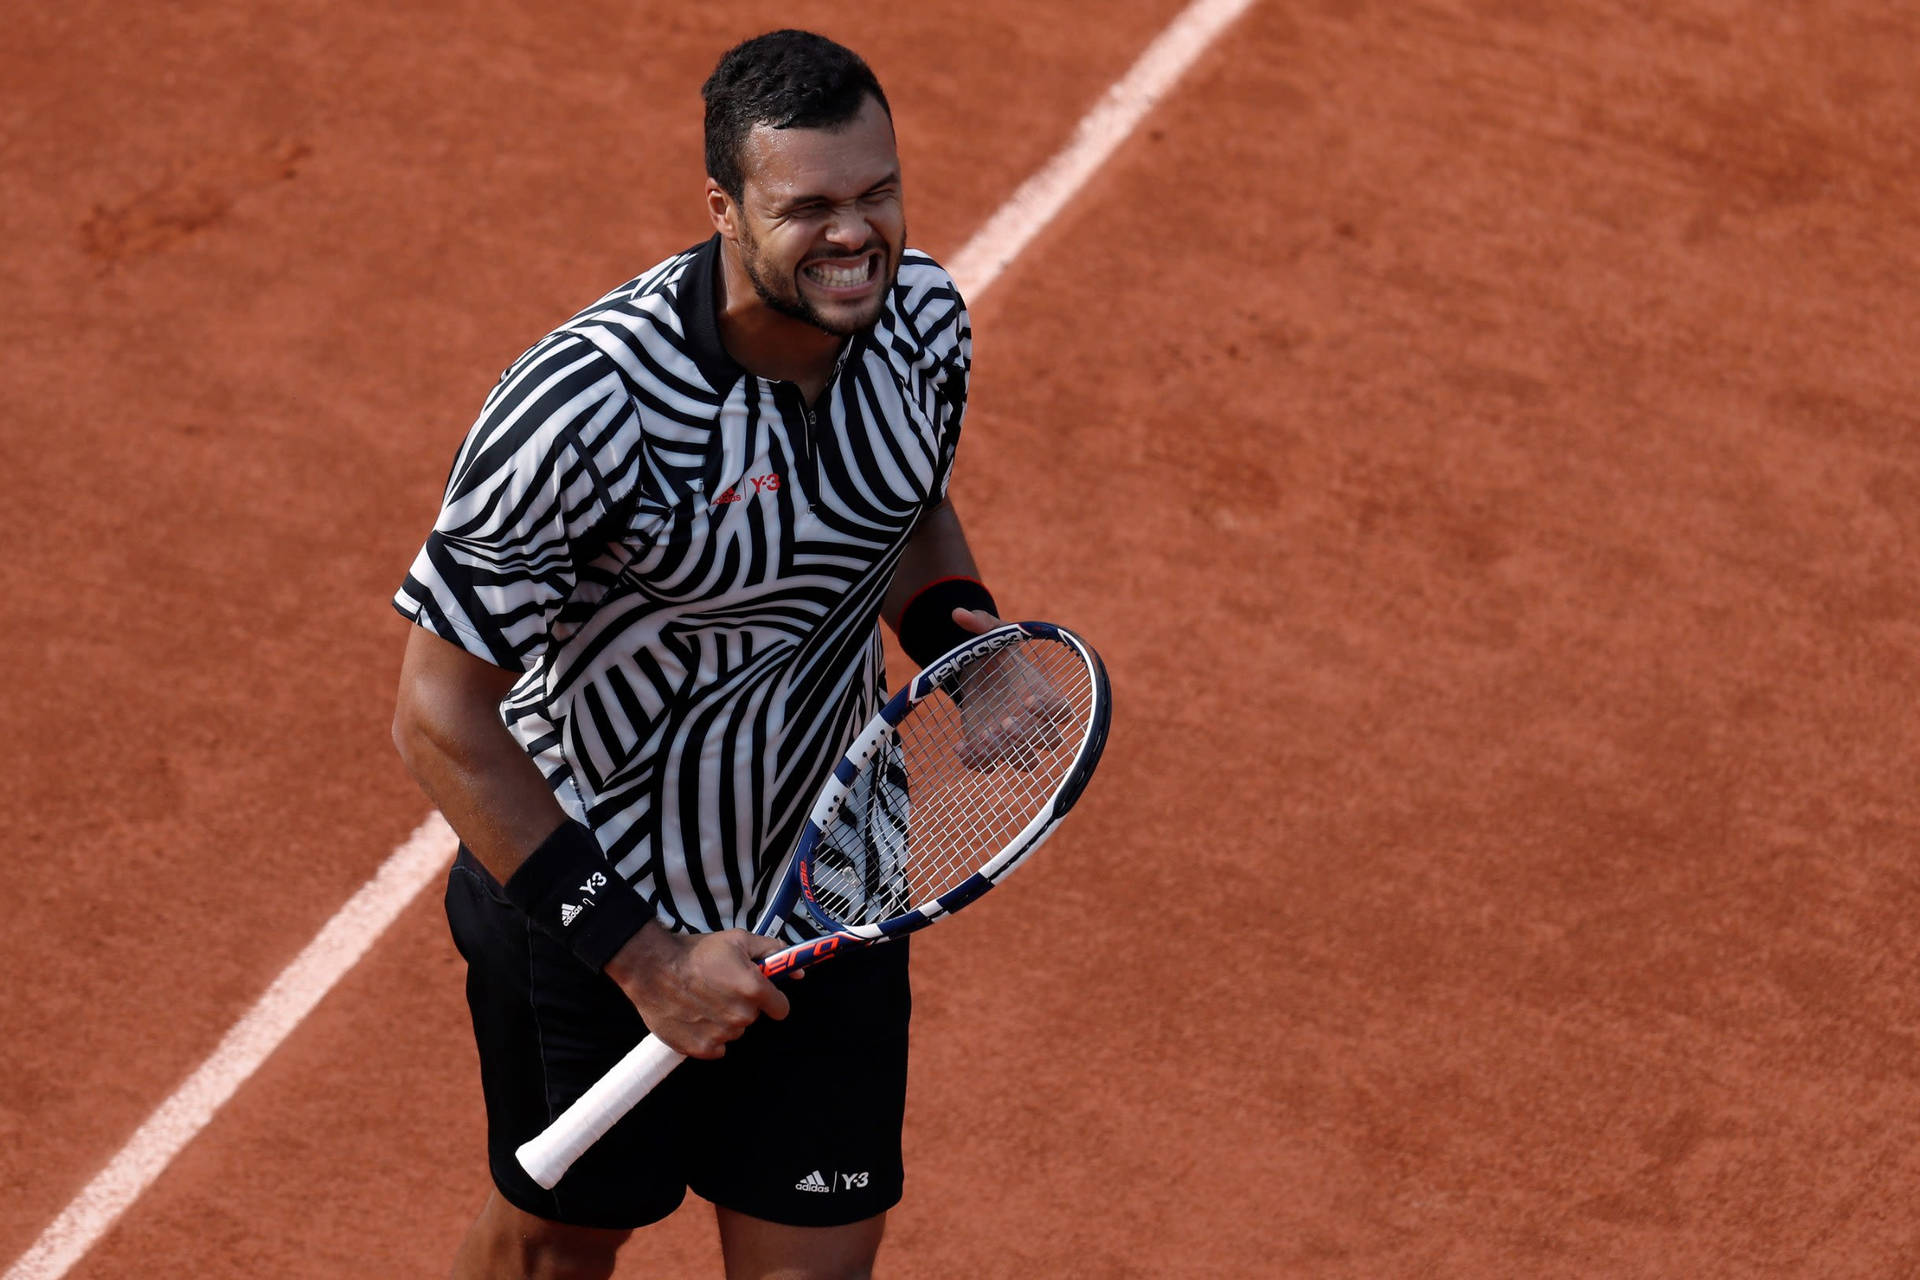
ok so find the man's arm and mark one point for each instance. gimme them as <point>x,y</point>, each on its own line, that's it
<point>696,992</point>
<point>936,549</point>
<point>1008,711</point>
<point>447,727</point>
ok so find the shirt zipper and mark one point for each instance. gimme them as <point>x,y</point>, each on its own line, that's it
<point>809,447</point>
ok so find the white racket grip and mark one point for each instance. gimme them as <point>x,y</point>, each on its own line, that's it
<point>547,1157</point>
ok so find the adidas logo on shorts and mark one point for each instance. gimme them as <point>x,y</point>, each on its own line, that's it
<point>812,1182</point>
<point>568,912</point>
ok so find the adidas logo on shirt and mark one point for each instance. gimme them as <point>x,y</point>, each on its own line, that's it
<point>568,912</point>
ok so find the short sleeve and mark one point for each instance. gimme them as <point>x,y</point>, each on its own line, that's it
<point>538,473</point>
<point>954,345</point>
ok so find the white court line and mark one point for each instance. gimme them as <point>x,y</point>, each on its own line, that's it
<point>1101,131</point>
<point>334,950</point>
<point>357,925</point>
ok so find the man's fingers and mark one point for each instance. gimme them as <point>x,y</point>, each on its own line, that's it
<point>759,946</point>
<point>755,987</point>
<point>978,621</point>
<point>707,1047</point>
<point>1016,738</point>
<point>774,1003</point>
<point>715,992</point>
<point>1045,735</point>
<point>764,996</point>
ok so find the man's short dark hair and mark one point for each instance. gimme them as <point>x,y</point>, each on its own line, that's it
<point>786,79</point>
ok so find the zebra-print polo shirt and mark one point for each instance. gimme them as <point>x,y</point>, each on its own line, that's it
<point>687,562</point>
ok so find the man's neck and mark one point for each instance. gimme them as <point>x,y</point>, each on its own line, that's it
<point>767,343</point>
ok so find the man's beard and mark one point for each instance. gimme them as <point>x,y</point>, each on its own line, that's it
<point>796,306</point>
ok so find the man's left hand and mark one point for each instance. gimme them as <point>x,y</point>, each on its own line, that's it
<point>1009,710</point>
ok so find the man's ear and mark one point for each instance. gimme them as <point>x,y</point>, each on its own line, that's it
<point>722,212</point>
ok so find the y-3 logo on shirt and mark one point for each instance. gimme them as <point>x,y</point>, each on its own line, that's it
<point>768,483</point>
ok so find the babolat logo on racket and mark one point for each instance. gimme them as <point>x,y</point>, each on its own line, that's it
<point>950,669</point>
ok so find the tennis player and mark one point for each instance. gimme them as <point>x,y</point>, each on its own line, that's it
<point>644,629</point>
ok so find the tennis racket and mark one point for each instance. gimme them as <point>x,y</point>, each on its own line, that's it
<point>951,786</point>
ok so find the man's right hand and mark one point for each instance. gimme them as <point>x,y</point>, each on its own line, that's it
<point>697,991</point>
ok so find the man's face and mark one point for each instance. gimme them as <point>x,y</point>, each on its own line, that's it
<point>820,219</point>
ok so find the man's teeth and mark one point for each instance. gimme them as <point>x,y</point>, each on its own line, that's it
<point>841,277</point>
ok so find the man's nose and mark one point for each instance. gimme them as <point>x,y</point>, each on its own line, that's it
<point>847,228</point>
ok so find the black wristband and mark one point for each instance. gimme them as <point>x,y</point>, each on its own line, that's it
<point>566,887</point>
<point>927,628</point>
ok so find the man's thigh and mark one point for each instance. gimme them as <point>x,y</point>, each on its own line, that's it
<point>755,1249</point>
<point>798,1125</point>
<point>547,1027</point>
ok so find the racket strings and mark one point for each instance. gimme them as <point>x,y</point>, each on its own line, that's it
<point>956,784</point>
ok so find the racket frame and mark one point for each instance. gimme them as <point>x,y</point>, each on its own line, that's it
<point>942,674</point>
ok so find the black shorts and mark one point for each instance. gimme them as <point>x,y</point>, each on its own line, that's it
<point>799,1123</point>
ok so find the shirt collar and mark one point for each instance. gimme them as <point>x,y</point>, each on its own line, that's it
<point>698,305</point>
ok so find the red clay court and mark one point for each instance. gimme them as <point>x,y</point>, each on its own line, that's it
<point>1482,436</point>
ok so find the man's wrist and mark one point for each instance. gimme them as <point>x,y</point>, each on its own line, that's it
<point>927,629</point>
<point>567,888</point>
<point>639,961</point>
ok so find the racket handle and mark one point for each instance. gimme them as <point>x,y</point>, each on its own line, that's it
<point>547,1157</point>
<point>802,954</point>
